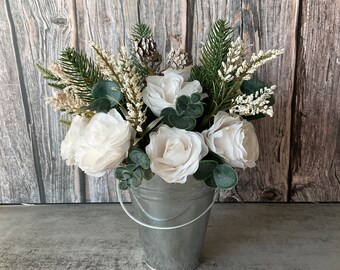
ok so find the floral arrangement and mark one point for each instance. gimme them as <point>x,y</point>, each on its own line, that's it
<point>130,116</point>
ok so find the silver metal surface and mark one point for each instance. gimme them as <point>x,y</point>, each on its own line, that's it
<point>158,203</point>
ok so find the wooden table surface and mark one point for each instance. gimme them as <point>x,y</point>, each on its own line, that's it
<point>239,236</point>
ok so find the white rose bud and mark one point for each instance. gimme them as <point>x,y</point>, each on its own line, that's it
<point>68,145</point>
<point>233,139</point>
<point>162,91</point>
<point>104,143</point>
<point>175,153</point>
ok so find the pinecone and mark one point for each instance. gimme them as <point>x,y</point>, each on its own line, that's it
<point>147,54</point>
<point>177,59</point>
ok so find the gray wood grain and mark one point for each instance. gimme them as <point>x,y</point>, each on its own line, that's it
<point>316,137</point>
<point>300,146</point>
<point>43,29</point>
<point>17,172</point>
<point>267,25</point>
<point>108,24</point>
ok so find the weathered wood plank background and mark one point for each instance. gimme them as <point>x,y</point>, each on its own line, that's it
<point>300,146</point>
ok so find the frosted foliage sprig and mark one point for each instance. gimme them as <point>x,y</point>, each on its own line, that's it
<point>68,102</point>
<point>235,57</point>
<point>238,67</point>
<point>246,105</point>
<point>105,61</point>
<point>132,86</point>
<point>55,68</point>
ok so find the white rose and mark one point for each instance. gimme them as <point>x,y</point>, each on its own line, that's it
<point>68,145</point>
<point>233,139</point>
<point>175,153</point>
<point>162,91</point>
<point>104,143</point>
<point>184,72</point>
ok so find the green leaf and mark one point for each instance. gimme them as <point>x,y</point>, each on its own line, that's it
<point>131,167</point>
<point>195,110</point>
<point>123,185</point>
<point>167,111</point>
<point>213,156</point>
<point>225,176</point>
<point>187,123</point>
<point>195,97</point>
<point>127,175</point>
<point>137,178</point>
<point>99,105</point>
<point>148,174</point>
<point>182,103</point>
<point>109,90</point>
<point>251,86</point>
<point>210,182</point>
<point>139,157</point>
<point>205,169</point>
<point>80,71</point>
<point>119,172</point>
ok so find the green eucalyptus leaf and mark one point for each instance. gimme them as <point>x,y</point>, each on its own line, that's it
<point>131,167</point>
<point>165,113</point>
<point>127,175</point>
<point>182,103</point>
<point>213,156</point>
<point>99,105</point>
<point>123,185</point>
<point>119,172</point>
<point>168,111</point>
<point>109,90</point>
<point>205,169</point>
<point>139,157</point>
<point>148,174</point>
<point>225,176</point>
<point>251,86</point>
<point>210,182</point>
<point>138,173</point>
<point>195,97</point>
<point>187,123</point>
<point>195,110</point>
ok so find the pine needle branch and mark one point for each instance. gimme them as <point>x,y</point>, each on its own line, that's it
<point>213,53</point>
<point>47,74</point>
<point>80,71</point>
<point>141,30</point>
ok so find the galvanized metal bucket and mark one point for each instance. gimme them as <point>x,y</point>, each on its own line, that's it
<point>173,219</point>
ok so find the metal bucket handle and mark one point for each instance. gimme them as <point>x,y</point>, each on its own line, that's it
<point>156,227</point>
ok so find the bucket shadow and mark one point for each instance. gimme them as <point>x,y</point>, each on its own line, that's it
<point>239,228</point>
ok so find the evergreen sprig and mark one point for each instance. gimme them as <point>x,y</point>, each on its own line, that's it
<point>81,72</point>
<point>141,30</point>
<point>52,80</point>
<point>47,74</point>
<point>213,53</point>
